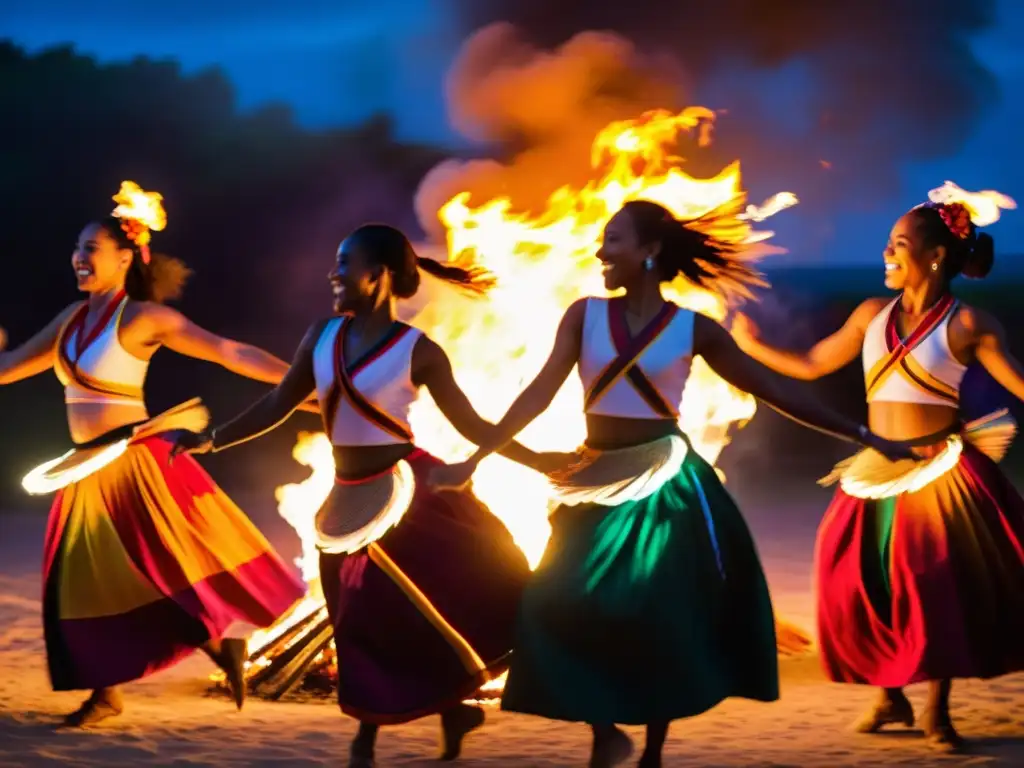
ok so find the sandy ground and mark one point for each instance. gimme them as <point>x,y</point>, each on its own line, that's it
<point>172,721</point>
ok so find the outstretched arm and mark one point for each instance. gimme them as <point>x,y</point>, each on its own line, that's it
<point>537,396</point>
<point>176,332</point>
<point>432,369</point>
<point>716,346</point>
<point>34,356</point>
<point>825,357</point>
<point>991,350</point>
<point>267,412</point>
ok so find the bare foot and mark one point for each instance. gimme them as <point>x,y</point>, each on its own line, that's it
<point>791,640</point>
<point>456,724</point>
<point>941,735</point>
<point>888,711</point>
<point>101,705</point>
<point>611,749</point>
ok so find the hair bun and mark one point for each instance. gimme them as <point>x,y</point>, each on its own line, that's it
<point>981,258</point>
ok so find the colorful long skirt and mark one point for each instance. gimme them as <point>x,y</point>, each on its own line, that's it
<point>424,615</point>
<point>144,561</point>
<point>924,585</point>
<point>647,611</point>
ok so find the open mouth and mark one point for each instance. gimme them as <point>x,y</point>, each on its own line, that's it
<point>83,272</point>
<point>891,266</point>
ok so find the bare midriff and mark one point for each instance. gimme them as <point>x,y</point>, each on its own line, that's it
<point>354,462</point>
<point>88,421</point>
<point>911,421</point>
<point>610,432</point>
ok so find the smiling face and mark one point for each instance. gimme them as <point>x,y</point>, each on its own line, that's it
<point>354,279</point>
<point>621,255</point>
<point>99,261</point>
<point>908,261</point>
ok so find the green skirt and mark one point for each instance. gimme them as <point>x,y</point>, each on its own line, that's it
<point>646,612</point>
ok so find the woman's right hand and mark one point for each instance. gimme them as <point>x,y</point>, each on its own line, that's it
<point>186,441</point>
<point>452,477</point>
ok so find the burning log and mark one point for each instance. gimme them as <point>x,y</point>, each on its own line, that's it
<point>301,660</point>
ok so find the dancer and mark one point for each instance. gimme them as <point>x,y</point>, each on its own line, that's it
<point>919,564</point>
<point>650,603</point>
<point>143,562</point>
<point>422,587</point>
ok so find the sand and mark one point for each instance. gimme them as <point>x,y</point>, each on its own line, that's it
<point>171,720</point>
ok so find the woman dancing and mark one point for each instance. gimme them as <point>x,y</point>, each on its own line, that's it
<point>650,603</point>
<point>919,564</point>
<point>143,562</point>
<point>423,611</point>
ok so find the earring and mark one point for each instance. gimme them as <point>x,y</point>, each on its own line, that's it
<point>935,266</point>
<point>649,263</point>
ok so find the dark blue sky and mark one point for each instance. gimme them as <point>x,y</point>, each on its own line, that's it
<point>337,61</point>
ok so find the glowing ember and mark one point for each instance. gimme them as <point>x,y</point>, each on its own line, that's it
<point>544,262</point>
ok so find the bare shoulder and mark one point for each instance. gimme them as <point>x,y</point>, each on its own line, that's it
<point>869,308</point>
<point>976,321</point>
<point>151,311</point>
<point>426,349</point>
<point>573,317</point>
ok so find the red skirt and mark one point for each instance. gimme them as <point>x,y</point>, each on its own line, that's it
<point>146,560</point>
<point>927,585</point>
<point>426,614</point>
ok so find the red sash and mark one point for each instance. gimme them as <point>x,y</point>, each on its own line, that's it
<point>343,385</point>
<point>66,363</point>
<point>899,360</point>
<point>629,349</point>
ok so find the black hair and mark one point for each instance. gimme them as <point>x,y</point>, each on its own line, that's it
<point>161,280</point>
<point>971,256</point>
<point>706,250</point>
<point>390,248</point>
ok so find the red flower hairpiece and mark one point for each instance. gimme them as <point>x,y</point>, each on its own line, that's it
<point>956,217</point>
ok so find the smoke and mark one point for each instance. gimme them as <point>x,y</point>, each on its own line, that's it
<point>822,98</point>
<point>540,110</point>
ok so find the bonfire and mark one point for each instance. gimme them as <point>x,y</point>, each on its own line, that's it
<point>544,261</point>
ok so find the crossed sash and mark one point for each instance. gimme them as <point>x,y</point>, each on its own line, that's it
<point>344,386</point>
<point>899,358</point>
<point>629,349</point>
<point>66,365</point>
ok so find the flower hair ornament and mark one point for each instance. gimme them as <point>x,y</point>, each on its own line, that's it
<point>955,216</point>
<point>960,208</point>
<point>140,212</point>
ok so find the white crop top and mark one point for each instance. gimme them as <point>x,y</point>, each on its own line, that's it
<point>368,401</point>
<point>93,366</point>
<point>920,368</point>
<point>639,377</point>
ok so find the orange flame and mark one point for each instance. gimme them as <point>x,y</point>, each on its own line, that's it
<point>544,262</point>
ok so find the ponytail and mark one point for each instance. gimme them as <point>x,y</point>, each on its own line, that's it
<point>390,248</point>
<point>472,279</point>
<point>708,251</point>
<point>161,280</point>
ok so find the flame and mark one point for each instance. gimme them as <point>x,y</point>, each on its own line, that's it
<point>984,206</point>
<point>136,204</point>
<point>544,262</point>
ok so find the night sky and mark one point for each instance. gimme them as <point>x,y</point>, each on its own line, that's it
<point>339,61</point>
